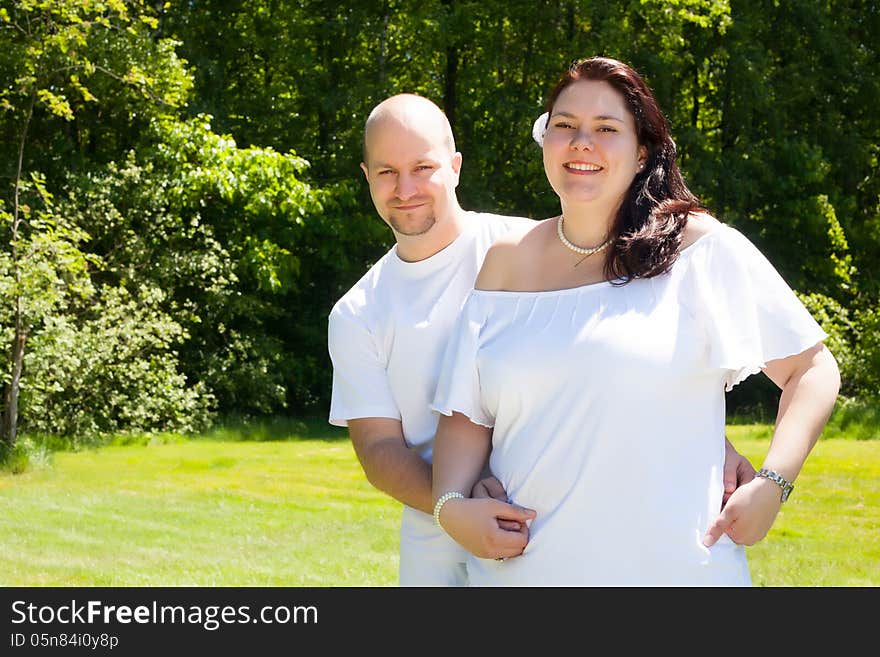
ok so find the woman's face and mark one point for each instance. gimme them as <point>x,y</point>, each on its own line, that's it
<point>591,153</point>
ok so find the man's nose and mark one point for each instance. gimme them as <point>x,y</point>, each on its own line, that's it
<point>406,186</point>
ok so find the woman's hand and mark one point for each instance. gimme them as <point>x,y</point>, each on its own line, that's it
<point>809,382</point>
<point>477,525</point>
<point>748,514</point>
<point>737,471</point>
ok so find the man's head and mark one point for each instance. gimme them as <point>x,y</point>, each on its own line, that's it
<point>411,165</point>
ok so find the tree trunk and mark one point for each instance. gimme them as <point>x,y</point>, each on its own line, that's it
<point>449,99</point>
<point>383,46</point>
<point>10,401</point>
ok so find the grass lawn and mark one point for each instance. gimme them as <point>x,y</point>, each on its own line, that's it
<point>828,533</point>
<point>241,508</point>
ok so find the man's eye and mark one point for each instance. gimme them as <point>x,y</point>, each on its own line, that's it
<point>424,167</point>
<point>384,171</point>
<point>563,124</point>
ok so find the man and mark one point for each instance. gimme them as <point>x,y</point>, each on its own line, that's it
<point>388,333</point>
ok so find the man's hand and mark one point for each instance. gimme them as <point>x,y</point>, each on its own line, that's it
<point>737,471</point>
<point>490,487</point>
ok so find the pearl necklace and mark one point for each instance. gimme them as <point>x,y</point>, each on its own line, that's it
<point>575,248</point>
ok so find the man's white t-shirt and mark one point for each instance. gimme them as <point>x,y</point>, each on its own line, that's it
<point>387,336</point>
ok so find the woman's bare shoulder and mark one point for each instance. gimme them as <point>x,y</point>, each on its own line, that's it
<point>507,255</point>
<point>699,224</point>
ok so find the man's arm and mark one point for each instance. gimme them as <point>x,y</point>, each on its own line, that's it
<point>389,464</point>
<point>362,400</point>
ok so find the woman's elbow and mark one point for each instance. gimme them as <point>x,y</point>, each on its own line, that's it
<point>826,365</point>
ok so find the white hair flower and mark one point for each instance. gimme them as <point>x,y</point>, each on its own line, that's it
<point>539,128</point>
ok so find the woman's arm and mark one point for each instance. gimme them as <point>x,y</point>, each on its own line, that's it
<point>810,382</point>
<point>460,452</point>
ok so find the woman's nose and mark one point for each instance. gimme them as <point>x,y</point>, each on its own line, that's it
<point>582,140</point>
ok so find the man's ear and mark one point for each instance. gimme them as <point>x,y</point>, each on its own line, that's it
<point>456,165</point>
<point>366,171</point>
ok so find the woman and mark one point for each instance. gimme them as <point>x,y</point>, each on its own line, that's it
<point>599,344</point>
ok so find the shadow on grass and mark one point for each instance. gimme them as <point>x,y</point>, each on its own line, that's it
<point>34,450</point>
<point>852,419</point>
<point>273,429</point>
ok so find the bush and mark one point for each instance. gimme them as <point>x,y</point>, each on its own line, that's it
<point>866,356</point>
<point>836,321</point>
<point>27,454</point>
<point>857,419</point>
<point>115,369</point>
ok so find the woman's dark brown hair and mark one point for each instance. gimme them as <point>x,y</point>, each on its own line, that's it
<point>649,224</point>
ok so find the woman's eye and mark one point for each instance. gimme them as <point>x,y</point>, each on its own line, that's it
<point>607,128</point>
<point>564,125</point>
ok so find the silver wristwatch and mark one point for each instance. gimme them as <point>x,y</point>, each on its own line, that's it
<point>777,478</point>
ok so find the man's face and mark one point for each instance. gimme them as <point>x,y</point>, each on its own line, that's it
<point>412,174</point>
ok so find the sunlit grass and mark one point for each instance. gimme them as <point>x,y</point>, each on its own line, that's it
<point>828,533</point>
<point>200,513</point>
<point>287,505</point>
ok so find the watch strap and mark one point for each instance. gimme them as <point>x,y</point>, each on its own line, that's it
<point>778,479</point>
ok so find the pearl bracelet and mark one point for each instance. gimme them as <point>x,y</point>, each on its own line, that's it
<point>443,499</point>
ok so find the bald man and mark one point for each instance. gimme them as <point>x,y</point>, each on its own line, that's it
<point>387,334</point>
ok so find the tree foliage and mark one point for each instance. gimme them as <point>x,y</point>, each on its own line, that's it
<point>81,75</point>
<point>189,205</point>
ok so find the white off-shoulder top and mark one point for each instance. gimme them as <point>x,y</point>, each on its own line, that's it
<point>608,408</point>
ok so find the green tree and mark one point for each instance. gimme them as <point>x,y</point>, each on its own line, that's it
<point>218,228</point>
<point>60,54</point>
<point>770,104</point>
